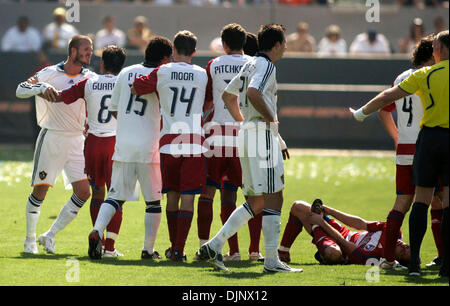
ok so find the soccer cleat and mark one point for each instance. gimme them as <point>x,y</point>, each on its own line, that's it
<point>215,258</point>
<point>95,245</point>
<point>256,256</point>
<point>384,264</point>
<point>146,255</point>
<point>280,267</point>
<point>316,206</point>
<point>197,257</point>
<point>177,256</point>
<point>435,262</point>
<point>47,242</point>
<point>414,270</point>
<point>112,254</point>
<point>30,246</point>
<point>284,256</point>
<point>168,253</point>
<point>234,257</point>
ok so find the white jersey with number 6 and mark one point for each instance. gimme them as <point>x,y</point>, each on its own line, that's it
<point>138,119</point>
<point>96,91</point>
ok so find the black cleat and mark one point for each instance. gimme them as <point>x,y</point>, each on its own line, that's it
<point>414,270</point>
<point>316,206</point>
<point>168,253</point>
<point>178,256</point>
<point>95,245</point>
<point>146,255</point>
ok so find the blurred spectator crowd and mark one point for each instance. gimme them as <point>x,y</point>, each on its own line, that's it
<point>417,3</point>
<point>23,37</point>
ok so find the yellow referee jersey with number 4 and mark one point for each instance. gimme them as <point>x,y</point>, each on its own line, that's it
<point>431,85</point>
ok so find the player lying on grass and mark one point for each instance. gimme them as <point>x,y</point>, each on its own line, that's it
<point>337,244</point>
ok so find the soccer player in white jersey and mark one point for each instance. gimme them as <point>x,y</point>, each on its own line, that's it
<point>404,133</point>
<point>223,167</point>
<point>136,157</point>
<point>259,149</point>
<point>59,146</point>
<point>101,135</point>
<point>181,88</point>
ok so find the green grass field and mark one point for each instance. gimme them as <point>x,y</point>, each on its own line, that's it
<point>360,185</point>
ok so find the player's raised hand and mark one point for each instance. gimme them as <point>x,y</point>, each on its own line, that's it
<point>51,94</point>
<point>358,114</point>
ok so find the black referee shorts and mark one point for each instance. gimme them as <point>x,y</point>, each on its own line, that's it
<point>431,160</point>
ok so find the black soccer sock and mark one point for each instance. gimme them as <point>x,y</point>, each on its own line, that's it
<point>445,242</point>
<point>417,228</point>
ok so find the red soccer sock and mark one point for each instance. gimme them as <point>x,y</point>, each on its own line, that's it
<point>254,227</point>
<point>393,225</point>
<point>227,209</point>
<point>172,225</point>
<point>112,230</point>
<point>204,218</point>
<point>95,208</point>
<point>184,221</point>
<point>293,228</point>
<point>436,221</point>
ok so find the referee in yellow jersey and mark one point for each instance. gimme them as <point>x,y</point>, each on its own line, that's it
<point>431,159</point>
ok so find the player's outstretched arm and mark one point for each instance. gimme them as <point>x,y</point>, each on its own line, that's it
<point>349,220</point>
<point>232,104</point>
<point>33,87</point>
<point>384,98</point>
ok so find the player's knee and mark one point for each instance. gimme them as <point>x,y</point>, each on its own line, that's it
<point>83,193</point>
<point>39,192</point>
<point>332,255</point>
<point>299,206</point>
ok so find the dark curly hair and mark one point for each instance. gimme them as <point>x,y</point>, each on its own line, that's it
<point>423,51</point>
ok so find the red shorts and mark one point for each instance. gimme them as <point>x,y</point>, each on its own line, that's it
<point>224,171</point>
<point>185,175</point>
<point>404,180</point>
<point>98,152</point>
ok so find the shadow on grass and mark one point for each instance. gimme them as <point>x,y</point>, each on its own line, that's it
<point>24,255</point>
<point>419,279</point>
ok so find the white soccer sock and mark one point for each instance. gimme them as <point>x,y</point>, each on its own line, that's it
<point>236,221</point>
<point>271,230</point>
<point>152,222</point>
<point>105,215</point>
<point>32,213</point>
<point>66,215</point>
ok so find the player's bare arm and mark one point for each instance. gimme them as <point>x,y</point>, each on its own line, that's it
<point>346,246</point>
<point>284,148</point>
<point>389,124</point>
<point>384,98</point>
<point>232,104</point>
<point>257,100</point>
<point>349,220</point>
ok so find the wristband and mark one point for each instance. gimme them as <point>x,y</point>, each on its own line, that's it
<point>359,114</point>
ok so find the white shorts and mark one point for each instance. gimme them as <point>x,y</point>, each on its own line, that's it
<point>58,152</point>
<point>261,162</point>
<point>128,178</point>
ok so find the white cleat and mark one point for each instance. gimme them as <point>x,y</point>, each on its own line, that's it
<point>384,264</point>
<point>48,243</point>
<point>234,257</point>
<point>30,246</point>
<point>112,254</point>
<point>280,266</point>
<point>256,256</point>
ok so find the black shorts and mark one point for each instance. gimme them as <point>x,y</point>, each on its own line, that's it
<point>431,160</point>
